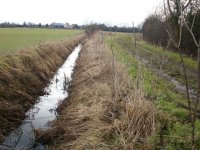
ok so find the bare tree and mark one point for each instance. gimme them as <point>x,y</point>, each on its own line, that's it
<point>176,40</point>
<point>179,14</point>
<point>197,43</point>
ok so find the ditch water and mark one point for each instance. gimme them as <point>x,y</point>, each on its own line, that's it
<point>44,111</point>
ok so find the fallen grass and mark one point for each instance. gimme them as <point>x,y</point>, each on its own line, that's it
<point>99,115</point>
<point>175,130</point>
<point>15,38</point>
<point>24,74</point>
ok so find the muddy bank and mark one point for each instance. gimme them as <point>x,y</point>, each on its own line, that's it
<point>23,76</point>
<point>104,110</point>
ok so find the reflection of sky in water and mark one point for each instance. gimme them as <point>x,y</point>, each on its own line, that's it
<point>44,111</point>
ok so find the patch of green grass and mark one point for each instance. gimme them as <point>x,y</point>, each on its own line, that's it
<point>14,38</point>
<point>126,38</point>
<point>154,86</point>
<point>176,129</point>
<point>173,55</point>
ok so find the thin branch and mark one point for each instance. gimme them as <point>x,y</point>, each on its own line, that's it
<point>184,70</point>
<point>169,7</point>
<point>196,6</point>
<point>189,2</point>
<point>197,100</point>
<point>195,41</point>
<point>193,22</point>
<point>181,26</point>
<point>171,38</point>
<point>164,8</point>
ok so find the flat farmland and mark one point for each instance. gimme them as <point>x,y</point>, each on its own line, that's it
<point>14,38</point>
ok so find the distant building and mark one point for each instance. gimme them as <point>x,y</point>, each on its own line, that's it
<point>56,25</point>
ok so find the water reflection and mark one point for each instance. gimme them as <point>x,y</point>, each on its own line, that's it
<point>44,111</point>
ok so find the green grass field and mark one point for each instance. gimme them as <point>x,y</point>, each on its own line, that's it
<point>176,129</point>
<point>14,38</point>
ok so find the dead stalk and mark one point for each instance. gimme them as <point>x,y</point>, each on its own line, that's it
<point>113,66</point>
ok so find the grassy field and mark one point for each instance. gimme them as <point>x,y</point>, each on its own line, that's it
<point>159,59</point>
<point>175,129</point>
<point>14,38</point>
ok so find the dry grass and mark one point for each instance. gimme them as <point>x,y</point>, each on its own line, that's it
<point>24,74</point>
<point>97,115</point>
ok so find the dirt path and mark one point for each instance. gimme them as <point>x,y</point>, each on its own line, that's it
<point>103,110</point>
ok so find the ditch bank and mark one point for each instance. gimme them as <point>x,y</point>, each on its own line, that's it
<point>23,77</point>
<point>104,110</point>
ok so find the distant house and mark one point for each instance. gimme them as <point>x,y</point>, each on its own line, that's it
<point>56,25</point>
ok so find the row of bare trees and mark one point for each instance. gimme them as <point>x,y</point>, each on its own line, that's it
<point>154,26</point>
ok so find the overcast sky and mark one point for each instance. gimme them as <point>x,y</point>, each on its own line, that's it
<point>112,12</point>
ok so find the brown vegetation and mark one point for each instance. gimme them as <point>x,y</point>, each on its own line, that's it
<point>99,114</point>
<point>24,74</point>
